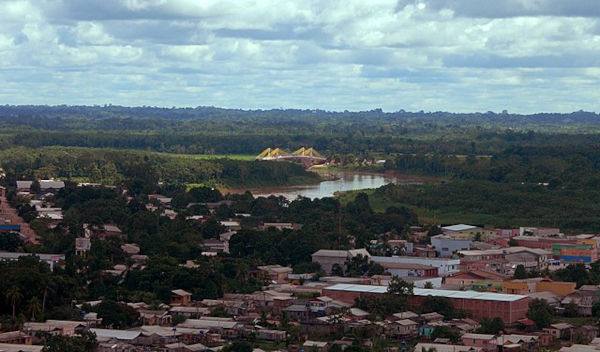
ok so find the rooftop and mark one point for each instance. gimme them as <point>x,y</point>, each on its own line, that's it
<point>459,227</point>
<point>486,296</point>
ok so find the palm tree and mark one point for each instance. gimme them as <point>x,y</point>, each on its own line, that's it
<point>14,296</point>
<point>34,307</point>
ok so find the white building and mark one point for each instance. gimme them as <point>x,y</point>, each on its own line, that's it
<point>446,266</point>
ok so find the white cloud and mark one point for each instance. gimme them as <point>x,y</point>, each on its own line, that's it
<point>431,55</point>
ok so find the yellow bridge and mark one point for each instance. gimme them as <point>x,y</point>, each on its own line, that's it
<point>307,156</point>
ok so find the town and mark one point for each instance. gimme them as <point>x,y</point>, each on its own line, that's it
<point>268,274</point>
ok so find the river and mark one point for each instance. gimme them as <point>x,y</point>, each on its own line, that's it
<point>337,182</point>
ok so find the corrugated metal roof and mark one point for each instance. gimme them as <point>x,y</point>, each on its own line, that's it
<point>487,296</point>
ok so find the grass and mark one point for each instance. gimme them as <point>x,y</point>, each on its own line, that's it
<point>243,157</point>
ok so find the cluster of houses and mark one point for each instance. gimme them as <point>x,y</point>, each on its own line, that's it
<point>472,268</point>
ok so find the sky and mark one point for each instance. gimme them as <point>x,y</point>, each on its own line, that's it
<point>439,55</point>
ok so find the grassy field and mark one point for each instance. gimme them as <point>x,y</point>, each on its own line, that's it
<point>243,157</point>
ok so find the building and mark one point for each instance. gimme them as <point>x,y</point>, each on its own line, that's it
<point>180,298</point>
<point>276,273</point>
<point>8,347</point>
<point>446,246</point>
<point>446,266</point>
<point>327,258</point>
<point>476,279</point>
<point>473,230</point>
<point>410,269</point>
<point>481,305</point>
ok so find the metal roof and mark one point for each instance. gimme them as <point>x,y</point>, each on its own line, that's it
<point>459,227</point>
<point>117,334</point>
<point>485,296</point>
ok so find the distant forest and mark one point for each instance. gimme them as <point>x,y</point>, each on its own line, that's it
<point>209,130</point>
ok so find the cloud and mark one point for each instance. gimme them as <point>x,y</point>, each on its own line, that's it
<point>433,55</point>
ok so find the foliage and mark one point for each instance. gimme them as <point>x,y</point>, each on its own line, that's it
<point>540,312</point>
<point>116,315</point>
<point>86,342</point>
<point>520,272</point>
<point>491,326</point>
<point>445,332</point>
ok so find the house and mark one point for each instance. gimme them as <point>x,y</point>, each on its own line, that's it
<point>9,347</point>
<point>317,346</point>
<point>180,298</point>
<point>521,343</point>
<point>401,328</point>
<point>15,337</point>
<point>559,330</point>
<point>276,273</point>
<point>24,186</point>
<point>51,328</point>
<point>438,347</point>
<point>102,232</point>
<point>479,279</point>
<point>410,269</point>
<point>215,245</point>
<point>131,249</point>
<point>51,186</point>
<point>585,332</point>
<point>189,312</point>
<point>483,341</point>
<point>226,327</point>
<point>584,299</point>
<point>327,258</point>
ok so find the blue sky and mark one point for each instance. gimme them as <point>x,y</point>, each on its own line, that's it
<point>454,55</point>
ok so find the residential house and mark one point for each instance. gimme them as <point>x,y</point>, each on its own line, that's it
<point>559,330</point>
<point>180,298</point>
<point>484,341</point>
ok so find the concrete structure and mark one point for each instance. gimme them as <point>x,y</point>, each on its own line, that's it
<point>410,269</point>
<point>510,308</point>
<point>446,266</point>
<point>446,246</point>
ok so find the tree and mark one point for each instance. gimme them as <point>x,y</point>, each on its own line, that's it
<point>428,284</point>
<point>397,286</point>
<point>238,347</point>
<point>34,307</point>
<point>86,342</point>
<point>520,272</point>
<point>491,326</point>
<point>14,296</point>
<point>571,310</point>
<point>445,332</point>
<point>116,315</point>
<point>540,312</point>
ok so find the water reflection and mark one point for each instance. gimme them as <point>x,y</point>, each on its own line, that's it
<point>345,181</point>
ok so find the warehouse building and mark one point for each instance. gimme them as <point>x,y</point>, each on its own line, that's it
<point>509,308</point>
